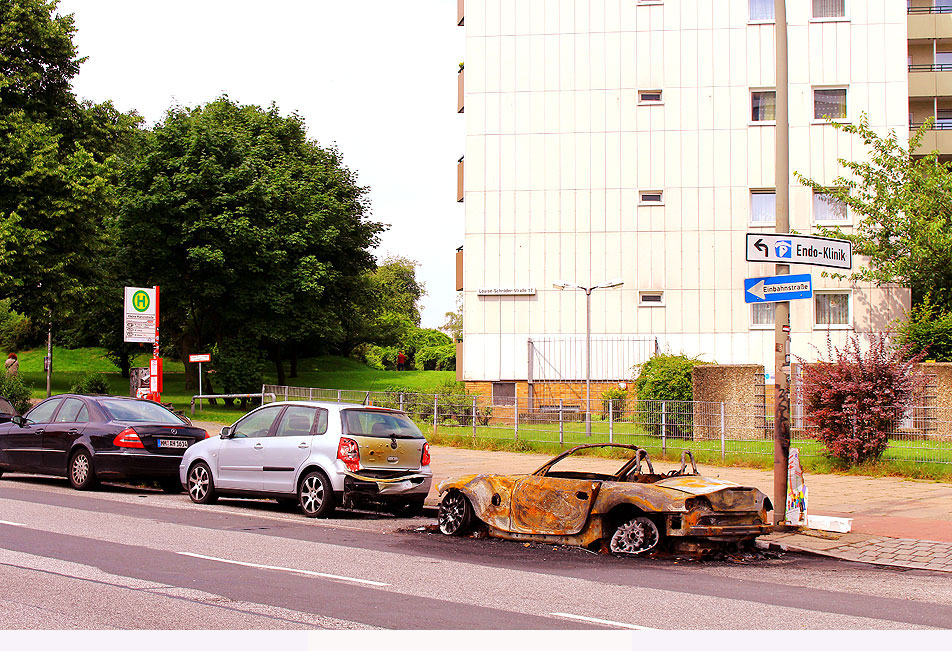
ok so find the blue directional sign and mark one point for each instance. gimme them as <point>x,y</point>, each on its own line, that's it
<point>778,288</point>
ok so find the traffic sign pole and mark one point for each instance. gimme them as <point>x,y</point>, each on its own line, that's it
<point>782,309</point>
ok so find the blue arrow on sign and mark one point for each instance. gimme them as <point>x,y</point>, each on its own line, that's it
<point>778,288</point>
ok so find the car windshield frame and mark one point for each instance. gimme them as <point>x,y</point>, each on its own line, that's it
<point>624,469</point>
<point>350,420</point>
<point>118,409</point>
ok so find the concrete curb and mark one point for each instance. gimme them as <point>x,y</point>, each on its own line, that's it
<point>774,545</point>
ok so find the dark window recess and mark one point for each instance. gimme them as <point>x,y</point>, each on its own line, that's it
<point>504,393</point>
<point>650,96</point>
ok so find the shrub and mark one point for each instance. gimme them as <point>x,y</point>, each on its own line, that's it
<point>667,378</point>
<point>618,399</point>
<point>856,398</point>
<point>238,364</point>
<point>436,358</point>
<point>91,384</point>
<point>928,330</point>
<point>16,331</point>
<point>14,389</point>
<point>378,357</point>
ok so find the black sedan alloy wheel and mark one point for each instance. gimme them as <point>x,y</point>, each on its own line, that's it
<point>82,475</point>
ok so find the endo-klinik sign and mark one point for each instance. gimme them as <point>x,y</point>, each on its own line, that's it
<point>799,249</point>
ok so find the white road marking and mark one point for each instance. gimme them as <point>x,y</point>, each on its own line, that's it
<point>12,524</point>
<point>606,622</point>
<point>335,577</point>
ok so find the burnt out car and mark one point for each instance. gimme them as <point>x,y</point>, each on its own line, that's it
<point>632,511</point>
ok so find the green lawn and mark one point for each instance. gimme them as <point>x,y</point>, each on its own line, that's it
<point>69,366</point>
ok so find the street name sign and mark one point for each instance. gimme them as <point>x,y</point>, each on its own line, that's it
<point>778,288</point>
<point>204,357</point>
<point>138,323</point>
<point>799,249</point>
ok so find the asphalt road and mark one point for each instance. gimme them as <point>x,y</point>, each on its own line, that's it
<point>126,558</point>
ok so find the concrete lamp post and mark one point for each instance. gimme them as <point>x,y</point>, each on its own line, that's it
<point>561,284</point>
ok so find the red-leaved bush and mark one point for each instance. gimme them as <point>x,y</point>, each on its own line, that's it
<point>857,397</point>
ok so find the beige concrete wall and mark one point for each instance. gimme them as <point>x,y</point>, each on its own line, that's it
<point>741,388</point>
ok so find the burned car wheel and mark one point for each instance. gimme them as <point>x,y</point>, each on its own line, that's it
<point>635,536</point>
<point>456,514</point>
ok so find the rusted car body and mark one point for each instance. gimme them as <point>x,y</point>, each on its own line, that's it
<point>631,511</point>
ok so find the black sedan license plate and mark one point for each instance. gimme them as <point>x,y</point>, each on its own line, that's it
<point>172,443</point>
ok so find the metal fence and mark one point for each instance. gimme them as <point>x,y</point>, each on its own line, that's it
<point>727,430</point>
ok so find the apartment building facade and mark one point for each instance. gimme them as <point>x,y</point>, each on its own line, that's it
<point>634,140</point>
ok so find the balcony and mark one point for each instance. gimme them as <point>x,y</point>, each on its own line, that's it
<point>930,80</point>
<point>938,138</point>
<point>929,21</point>
<point>459,179</point>
<point>459,91</point>
<point>459,269</point>
<point>459,12</point>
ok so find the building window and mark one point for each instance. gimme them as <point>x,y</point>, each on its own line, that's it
<point>831,309</point>
<point>763,105</point>
<point>504,394</point>
<point>651,198</point>
<point>829,103</point>
<point>761,10</point>
<point>762,315</point>
<point>650,298</point>
<point>829,8</point>
<point>649,97</point>
<point>763,207</point>
<point>827,209</point>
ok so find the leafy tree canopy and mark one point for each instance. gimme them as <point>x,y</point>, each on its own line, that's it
<point>260,230</point>
<point>905,204</point>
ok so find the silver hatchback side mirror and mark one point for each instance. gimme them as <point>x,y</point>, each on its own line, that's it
<point>226,432</point>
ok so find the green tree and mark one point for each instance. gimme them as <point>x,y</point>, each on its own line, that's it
<point>453,321</point>
<point>926,330</point>
<point>58,166</point>
<point>905,204</point>
<point>247,226</point>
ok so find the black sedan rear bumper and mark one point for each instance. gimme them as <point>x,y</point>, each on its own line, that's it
<point>136,465</point>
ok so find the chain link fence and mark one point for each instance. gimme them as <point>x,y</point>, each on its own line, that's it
<point>728,430</point>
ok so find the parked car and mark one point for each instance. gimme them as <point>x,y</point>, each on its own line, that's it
<point>318,454</point>
<point>91,438</point>
<point>632,511</point>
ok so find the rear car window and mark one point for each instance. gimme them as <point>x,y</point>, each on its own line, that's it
<point>383,424</point>
<point>72,411</point>
<point>139,411</point>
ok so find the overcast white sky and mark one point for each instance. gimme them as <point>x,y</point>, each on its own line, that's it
<point>377,77</point>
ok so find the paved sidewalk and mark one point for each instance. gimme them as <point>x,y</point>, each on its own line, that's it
<point>896,522</point>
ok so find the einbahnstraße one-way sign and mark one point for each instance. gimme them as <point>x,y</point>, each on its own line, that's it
<point>799,249</point>
<point>778,288</point>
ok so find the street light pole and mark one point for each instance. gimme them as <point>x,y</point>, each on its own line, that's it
<point>561,284</point>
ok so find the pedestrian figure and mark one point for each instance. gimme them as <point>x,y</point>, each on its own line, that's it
<point>401,361</point>
<point>12,365</point>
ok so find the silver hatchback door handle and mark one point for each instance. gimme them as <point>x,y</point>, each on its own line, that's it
<point>303,446</point>
<point>258,446</point>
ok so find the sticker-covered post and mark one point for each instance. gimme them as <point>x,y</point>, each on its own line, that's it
<point>198,359</point>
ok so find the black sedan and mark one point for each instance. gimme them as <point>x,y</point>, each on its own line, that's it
<point>93,438</point>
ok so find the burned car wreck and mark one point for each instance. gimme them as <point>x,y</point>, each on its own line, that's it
<point>632,511</point>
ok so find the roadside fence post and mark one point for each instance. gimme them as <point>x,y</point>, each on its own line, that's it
<point>611,420</point>
<point>723,433</point>
<point>515,415</point>
<point>561,424</point>
<point>338,395</point>
<point>401,401</point>
<point>310,393</point>
<point>664,428</point>
<point>436,407</point>
<point>286,394</point>
<point>474,417</point>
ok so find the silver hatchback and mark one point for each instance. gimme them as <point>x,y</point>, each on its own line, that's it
<point>317,454</point>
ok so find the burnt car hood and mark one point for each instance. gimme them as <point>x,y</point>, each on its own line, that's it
<point>695,484</point>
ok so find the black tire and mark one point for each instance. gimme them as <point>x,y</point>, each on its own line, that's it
<point>408,508</point>
<point>315,495</point>
<point>171,486</point>
<point>201,485</point>
<point>81,472</point>
<point>456,514</point>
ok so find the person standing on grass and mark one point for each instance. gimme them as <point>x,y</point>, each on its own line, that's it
<point>12,365</point>
<point>401,361</point>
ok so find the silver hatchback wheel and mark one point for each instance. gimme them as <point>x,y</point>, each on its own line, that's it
<point>201,486</point>
<point>315,495</point>
<point>635,536</point>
